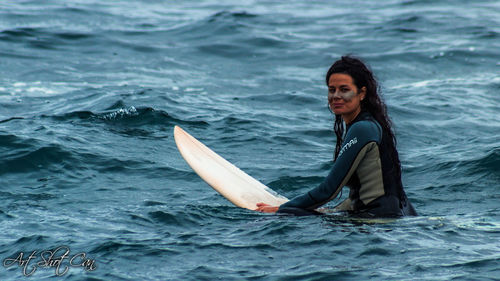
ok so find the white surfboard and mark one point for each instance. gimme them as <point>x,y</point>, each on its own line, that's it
<point>231,182</point>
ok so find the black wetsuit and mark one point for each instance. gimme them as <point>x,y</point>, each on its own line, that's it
<point>364,165</point>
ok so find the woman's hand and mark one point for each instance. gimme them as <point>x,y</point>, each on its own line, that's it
<point>265,208</point>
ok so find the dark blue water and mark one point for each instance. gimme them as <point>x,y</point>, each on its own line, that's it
<point>90,92</point>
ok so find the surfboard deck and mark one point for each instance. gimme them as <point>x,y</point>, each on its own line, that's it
<point>235,185</point>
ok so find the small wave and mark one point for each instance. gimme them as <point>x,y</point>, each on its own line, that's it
<point>5,215</point>
<point>320,133</point>
<point>17,34</point>
<point>405,19</point>
<point>377,251</point>
<point>180,219</point>
<point>227,50</point>
<point>10,119</point>
<point>33,239</point>
<point>149,203</point>
<point>230,15</point>
<point>76,10</point>
<point>40,38</point>
<point>286,98</point>
<point>141,116</point>
<point>332,274</point>
<point>217,25</point>
<point>475,263</point>
<point>28,157</point>
<point>405,24</point>
<point>488,165</point>
<point>18,56</point>
<point>73,115</point>
<point>140,219</point>
<point>416,2</point>
<point>228,214</point>
<point>139,47</point>
<point>478,31</point>
<point>490,34</point>
<point>234,120</point>
<point>233,246</point>
<point>113,247</point>
<point>122,113</point>
<point>117,105</point>
<point>265,42</point>
<point>72,36</point>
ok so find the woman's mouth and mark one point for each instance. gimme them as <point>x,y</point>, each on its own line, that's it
<point>337,105</point>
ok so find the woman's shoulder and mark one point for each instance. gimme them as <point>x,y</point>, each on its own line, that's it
<point>366,129</point>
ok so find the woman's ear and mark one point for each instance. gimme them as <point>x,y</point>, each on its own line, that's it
<point>362,93</point>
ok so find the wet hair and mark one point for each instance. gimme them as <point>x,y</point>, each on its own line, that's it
<point>363,77</point>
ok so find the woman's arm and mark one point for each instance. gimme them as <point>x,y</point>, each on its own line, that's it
<point>353,150</point>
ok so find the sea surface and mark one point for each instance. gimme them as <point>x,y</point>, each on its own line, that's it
<point>90,92</point>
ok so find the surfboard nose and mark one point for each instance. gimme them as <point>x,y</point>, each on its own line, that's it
<point>178,132</point>
<point>177,129</point>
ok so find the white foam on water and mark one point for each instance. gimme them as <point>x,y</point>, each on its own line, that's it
<point>481,79</point>
<point>38,89</point>
<point>130,111</point>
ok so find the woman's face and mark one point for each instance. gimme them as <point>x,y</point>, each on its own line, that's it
<point>344,98</point>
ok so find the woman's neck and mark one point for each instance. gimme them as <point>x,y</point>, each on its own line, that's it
<point>348,118</point>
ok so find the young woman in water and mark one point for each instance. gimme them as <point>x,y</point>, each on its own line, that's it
<point>366,159</point>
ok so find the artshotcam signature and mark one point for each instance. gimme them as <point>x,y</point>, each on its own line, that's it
<point>59,259</point>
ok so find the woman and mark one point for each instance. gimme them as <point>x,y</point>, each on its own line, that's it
<point>366,159</point>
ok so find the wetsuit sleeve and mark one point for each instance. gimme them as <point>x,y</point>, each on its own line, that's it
<point>359,135</point>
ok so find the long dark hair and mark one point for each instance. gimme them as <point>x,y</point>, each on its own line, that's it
<point>363,77</point>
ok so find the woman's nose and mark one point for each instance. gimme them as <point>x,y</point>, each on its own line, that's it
<point>335,97</point>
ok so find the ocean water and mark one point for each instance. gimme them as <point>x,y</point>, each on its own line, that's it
<point>90,92</point>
